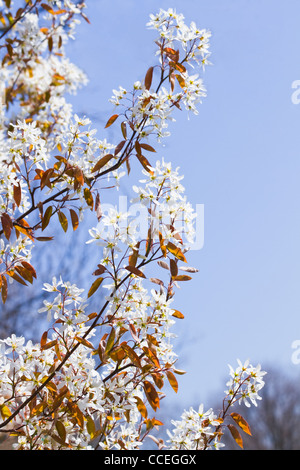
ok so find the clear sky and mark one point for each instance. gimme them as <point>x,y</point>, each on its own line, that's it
<point>241,159</point>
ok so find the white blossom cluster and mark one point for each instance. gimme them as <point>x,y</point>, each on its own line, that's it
<point>195,429</point>
<point>150,109</point>
<point>78,385</point>
<point>245,383</point>
<point>66,392</point>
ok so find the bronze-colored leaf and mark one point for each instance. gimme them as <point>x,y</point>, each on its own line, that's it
<point>141,407</point>
<point>151,395</point>
<point>136,271</point>
<point>172,380</point>
<point>148,78</point>
<point>88,198</point>
<point>74,219</point>
<point>182,277</point>
<point>47,217</point>
<point>17,194</point>
<point>63,221</point>
<point>147,147</point>
<point>176,251</point>
<point>7,225</point>
<point>102,162</point>
<point>111,120</point>
<point>178,314</point>
<point>4,289</point>
<point>241,422</point>
<point>134,256</point>
<point>236,435</point>
<point>96,284</point>
<point>173,268</point>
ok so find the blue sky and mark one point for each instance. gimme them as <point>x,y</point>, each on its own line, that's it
<point>241,159</point>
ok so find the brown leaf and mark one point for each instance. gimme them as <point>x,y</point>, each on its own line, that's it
<point>102,162</point>
<point>124,129</point>
<point>173,268</point>
<point>4,289</point>
<point>147,147</point>
<point>148,78</point>
<point>119,147</point>
<point>17,194</point>
<point>133,258</point>
<point>7,225</point>
<point>98,209</point>
<point>136,271</point>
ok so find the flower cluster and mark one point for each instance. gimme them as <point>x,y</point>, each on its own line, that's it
<point>97,377</point>
<point>149,108</point>
<point>245,383</point>
<point>195,430</point>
